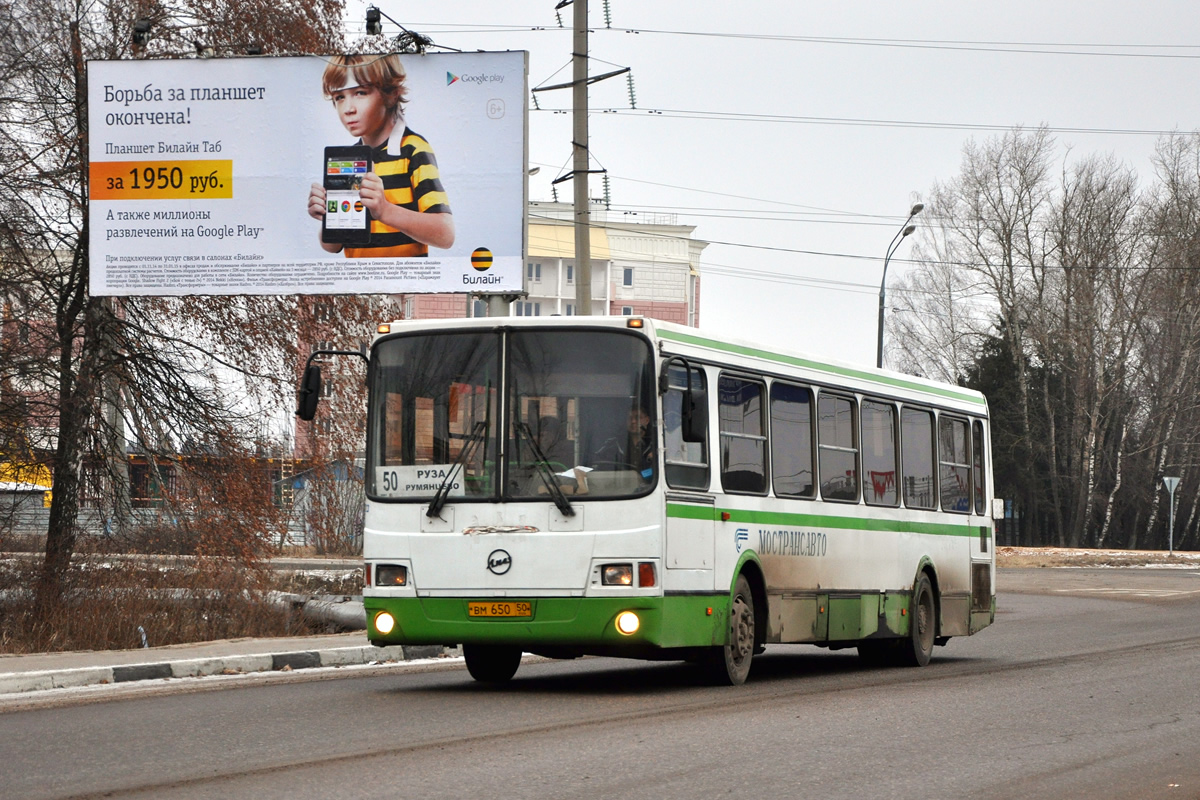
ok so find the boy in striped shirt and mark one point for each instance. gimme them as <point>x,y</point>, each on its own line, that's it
<point>404,193</point>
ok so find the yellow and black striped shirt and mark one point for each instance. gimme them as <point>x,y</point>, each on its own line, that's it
<point>410,179</point>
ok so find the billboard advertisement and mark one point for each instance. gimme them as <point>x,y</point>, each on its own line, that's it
<point>307,175</point>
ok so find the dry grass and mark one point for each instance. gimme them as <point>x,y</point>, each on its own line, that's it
<point>110,603</point>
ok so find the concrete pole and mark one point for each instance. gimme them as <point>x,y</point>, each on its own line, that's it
<point>579,100</point>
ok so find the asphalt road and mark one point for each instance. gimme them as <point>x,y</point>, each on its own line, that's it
<point>1088,687</point>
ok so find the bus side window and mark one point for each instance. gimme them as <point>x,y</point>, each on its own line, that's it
<point>916,447</point>
<point>743,436</point>
<point>792,441</point>
<point>837,447</point>
<point>686,462</point>
<point>977,463</point>
<point>879,453</point>
<point>955,475</point>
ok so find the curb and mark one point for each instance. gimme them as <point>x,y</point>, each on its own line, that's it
<point>23,682</point>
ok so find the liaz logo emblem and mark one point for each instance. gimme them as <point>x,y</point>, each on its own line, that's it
<point>499,562</point>
<point>741,536</point>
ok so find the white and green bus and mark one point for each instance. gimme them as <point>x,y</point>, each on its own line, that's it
<point>620,486</point>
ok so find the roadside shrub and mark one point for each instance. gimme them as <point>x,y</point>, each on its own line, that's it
<point>173,601</point>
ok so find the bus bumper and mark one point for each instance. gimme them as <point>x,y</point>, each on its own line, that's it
<point>579,622</point>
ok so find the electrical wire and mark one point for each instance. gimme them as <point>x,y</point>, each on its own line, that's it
<point>857,122</point>
<point>1091,49</point>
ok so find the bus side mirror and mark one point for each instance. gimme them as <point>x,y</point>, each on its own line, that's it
<point>309,394</point>
<point>695,415</point>
<point>997,508</point>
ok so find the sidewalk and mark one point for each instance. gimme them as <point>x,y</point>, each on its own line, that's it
<point>41,671</point>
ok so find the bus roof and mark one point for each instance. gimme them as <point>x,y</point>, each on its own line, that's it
<point>682,340</point>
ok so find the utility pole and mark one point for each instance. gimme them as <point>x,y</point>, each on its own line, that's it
<point>579,162</point>
<point>583,217</point>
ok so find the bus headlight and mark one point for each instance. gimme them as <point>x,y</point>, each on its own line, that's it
<point>385,623</point>
<point>628,622</point>
<point>391,575</point>
<point>616,574</point>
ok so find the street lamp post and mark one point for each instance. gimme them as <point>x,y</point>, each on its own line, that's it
<point>904,231</point>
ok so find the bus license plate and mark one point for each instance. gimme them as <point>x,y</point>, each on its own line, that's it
<point>519,608</point>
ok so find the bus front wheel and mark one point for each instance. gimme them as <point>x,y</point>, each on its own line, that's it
<point>729,665</point>
<point>491,663</point>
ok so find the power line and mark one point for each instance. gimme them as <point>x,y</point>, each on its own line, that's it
<point>729,116</point>
<point>1090,49</point>
<point>1032,48</point>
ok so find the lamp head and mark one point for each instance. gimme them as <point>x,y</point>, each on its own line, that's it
<point>916,209</point>
<point>374,26</point>
<point>141,31</point>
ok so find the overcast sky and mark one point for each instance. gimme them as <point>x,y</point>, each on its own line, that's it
<point>795,136</point>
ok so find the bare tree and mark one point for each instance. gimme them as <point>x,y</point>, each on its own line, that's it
<point>989,226</point>
<point>1086,328</point>
<point>938,318</point>
<point>173,358</point>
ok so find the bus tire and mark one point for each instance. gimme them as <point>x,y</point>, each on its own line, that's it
<point>917,648</point>
<point>729,664</point>
<point>490,663</point>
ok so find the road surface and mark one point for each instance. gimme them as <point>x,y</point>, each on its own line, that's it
<point>1087,686</point>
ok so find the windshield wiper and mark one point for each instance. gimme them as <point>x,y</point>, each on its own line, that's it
<point>478,434</point>
<point>545,473</point>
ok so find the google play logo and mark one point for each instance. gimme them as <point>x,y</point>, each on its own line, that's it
<point>451,78</point>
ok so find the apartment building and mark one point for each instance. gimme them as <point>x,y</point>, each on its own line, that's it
<point>642,264</point>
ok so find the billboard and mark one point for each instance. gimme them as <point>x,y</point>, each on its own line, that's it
<point>307,175</point>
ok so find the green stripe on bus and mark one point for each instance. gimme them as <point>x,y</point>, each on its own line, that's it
<point>678,511</point>
<point>793,361</point>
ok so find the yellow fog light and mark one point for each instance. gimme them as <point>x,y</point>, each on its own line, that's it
<point>627,622</point>
<point>384,622</point>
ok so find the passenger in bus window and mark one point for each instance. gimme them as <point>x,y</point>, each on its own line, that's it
<point>634,450</point>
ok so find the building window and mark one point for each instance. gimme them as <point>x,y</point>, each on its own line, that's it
<point>322,312</point>
<point>529,309</point>
<point>627,276</point>
<point>570,312</point>
<point>479,308</point>
<point>323,346</point>
<point>627,311</point>
<point>570,273</point>
<point>533,271</point>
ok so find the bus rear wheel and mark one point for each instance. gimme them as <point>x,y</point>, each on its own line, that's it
<point>729,665</point>
<point>490,663</point>
<point>917,648</point>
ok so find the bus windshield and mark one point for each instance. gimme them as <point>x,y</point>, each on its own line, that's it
<point>578,417</point>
